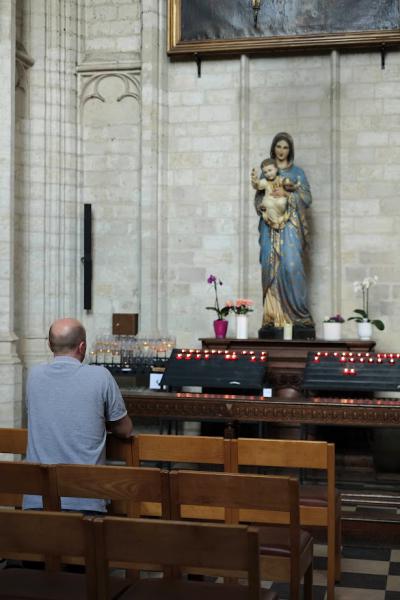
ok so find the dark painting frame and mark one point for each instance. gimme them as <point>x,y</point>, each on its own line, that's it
<point>321,29</point>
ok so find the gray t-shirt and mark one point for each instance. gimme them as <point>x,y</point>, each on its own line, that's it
<point>68,404</point>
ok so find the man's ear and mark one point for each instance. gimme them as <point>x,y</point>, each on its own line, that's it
<point>82,348</point>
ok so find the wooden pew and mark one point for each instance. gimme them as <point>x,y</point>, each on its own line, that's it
<point>319,505</point>
<point>195,546</point>
<point>169,450</point>
<point>286,552</point>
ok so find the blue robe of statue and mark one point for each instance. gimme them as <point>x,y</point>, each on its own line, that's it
<point>282,259</point>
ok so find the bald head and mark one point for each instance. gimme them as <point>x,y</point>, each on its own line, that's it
<point>68,337</point>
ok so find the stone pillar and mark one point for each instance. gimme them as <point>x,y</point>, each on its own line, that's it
<point>46,193</point>
<point>10,366</point>
<point>153,312</point>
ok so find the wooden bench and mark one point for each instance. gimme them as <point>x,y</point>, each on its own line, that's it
<point>319,505</point>
<point>286,552</point>
<point>194,546</point>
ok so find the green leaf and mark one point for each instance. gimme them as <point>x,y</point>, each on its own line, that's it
<point>361,312</point>
<point>378,324</point>
<point>357,319</point>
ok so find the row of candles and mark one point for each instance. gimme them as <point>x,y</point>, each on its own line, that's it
<point>360,357</point>
<point>226,354</point>
<point>124,349</point>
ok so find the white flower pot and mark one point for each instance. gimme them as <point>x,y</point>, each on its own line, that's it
<point>241,327</point>
<point>364,330</point>
<point>332,331</point>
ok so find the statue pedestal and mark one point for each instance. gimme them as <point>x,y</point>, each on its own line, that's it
<point>269,332</point>
<point>287,359</point>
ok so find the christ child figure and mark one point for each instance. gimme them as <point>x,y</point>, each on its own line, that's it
<point>271,201</point>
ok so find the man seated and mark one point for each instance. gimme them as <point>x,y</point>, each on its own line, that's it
<point>70,406</point>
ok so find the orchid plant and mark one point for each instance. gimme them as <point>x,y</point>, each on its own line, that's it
<point>362,314</point>
<point>221,312</point>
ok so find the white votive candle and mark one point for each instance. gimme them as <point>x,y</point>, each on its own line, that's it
<point>287,331</point>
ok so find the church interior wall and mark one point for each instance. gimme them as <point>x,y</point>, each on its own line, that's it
<point>102,116</point>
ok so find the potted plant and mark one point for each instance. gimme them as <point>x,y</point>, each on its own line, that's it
<point>332,327</point>
<point>220,323</point>
<point>364,323</point>
<point>241,308</point>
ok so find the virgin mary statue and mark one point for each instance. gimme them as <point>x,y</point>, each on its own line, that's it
<point>282,199</point>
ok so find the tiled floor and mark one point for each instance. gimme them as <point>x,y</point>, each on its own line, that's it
<point>368,573</point>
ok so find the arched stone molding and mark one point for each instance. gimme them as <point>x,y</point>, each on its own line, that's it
<point>91,88</point>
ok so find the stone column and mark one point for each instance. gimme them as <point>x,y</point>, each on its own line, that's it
<point>10,366</point>
<point>153,312</point>
<point>46,193</point>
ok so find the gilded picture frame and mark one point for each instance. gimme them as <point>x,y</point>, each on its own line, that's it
<point>228,27</point>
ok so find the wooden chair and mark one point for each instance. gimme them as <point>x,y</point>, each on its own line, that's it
<point>319,505</point>
<point>48,533</point>
<point>217,548</point>
<point>286,552</point>
<point>170,450</point>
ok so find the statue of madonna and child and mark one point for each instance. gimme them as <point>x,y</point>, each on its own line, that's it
<point>282,197</point>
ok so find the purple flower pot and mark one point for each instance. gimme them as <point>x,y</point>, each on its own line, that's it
<point>220,328</point>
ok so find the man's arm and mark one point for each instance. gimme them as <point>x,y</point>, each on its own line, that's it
<point>122,428</point>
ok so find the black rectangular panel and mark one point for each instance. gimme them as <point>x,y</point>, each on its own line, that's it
<point>87,257</point>
<point>352,371</point>
<point>233,370</point>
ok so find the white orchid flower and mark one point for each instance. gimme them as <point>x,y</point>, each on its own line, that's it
<point>357,286</point>
<point>366,283</point>
<point>369,281</point>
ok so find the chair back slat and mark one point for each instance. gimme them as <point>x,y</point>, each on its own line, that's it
<point>18,478</point>
<point>182,449</point>
<point>132,484</point>
<point>281,453</point>
<point>231,490</point>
